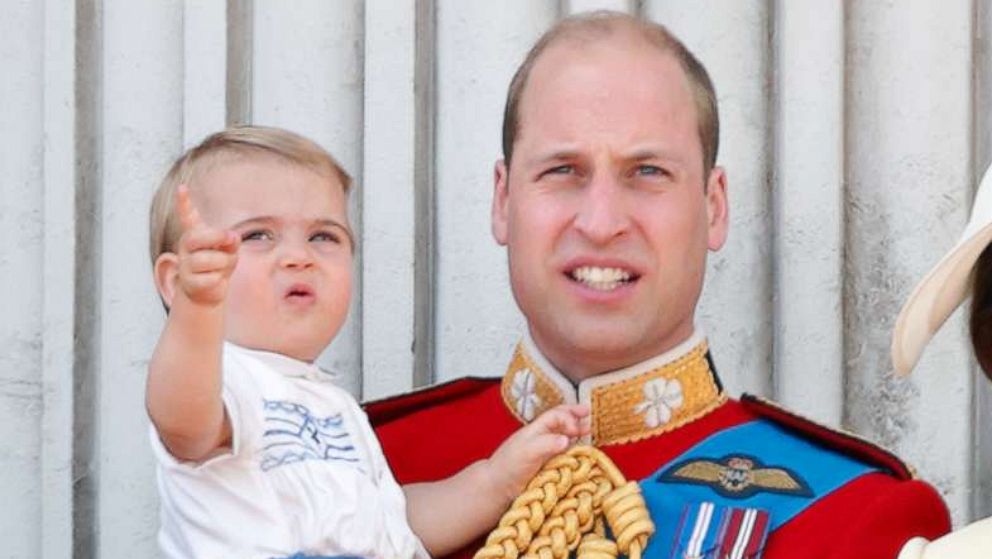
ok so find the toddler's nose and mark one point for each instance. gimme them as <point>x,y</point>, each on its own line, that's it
<point>296,255</point>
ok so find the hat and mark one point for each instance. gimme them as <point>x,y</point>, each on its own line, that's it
<point>945,287</point>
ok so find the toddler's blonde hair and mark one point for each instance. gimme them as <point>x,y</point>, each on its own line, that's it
<point>232,143</point>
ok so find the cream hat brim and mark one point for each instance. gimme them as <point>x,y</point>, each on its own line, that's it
<point>946,286</point>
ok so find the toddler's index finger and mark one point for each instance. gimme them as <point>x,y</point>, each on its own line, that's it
<point>568,420</point>
<point>231,242</point>
<point>188,216</point>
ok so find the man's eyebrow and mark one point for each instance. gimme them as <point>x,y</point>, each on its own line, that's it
<point>638,154</point>
<point>554,155</point>
<point>644,153</point>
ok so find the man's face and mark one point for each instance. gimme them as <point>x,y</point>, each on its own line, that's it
<point>605,211</point>
<point>290,290</point>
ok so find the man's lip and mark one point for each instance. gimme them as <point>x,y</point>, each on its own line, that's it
<point>574,264</point>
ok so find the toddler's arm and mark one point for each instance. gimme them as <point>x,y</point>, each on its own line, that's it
<point>449,514</point>
<point>183,393</point>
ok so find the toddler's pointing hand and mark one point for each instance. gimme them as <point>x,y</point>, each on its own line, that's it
<point>207,255</point>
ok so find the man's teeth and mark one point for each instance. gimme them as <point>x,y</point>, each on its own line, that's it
<point>603,279</point>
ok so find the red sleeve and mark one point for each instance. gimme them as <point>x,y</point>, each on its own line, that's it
<point>883,526</point>
<point>433,438</point>
<point>870,518</point>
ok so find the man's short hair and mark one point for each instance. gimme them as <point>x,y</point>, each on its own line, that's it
<point>227,146</point>
<point>602,24</point>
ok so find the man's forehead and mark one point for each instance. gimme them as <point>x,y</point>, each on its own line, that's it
<point>571,67</point>
<point>604,88</point>
<point>621,42</point>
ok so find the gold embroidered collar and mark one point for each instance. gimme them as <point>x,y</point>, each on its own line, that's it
<point>647,399</point>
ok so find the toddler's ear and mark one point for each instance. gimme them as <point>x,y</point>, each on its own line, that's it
<point>166,274</point>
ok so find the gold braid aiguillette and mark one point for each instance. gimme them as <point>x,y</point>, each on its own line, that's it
<point>567,506</point>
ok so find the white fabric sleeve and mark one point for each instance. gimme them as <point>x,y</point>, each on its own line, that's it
<point>384,476</point>
<point>377,459</point>
<point>974,541</point>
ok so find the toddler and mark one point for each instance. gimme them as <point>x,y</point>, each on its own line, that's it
<point>260,455</point>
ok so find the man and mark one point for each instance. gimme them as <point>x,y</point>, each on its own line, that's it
<point>608,199</point>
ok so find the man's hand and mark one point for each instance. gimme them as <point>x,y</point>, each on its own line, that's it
<point>207,256</point>
<point>519,458</point>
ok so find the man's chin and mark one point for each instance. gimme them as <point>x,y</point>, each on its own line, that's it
<point>584,352</point>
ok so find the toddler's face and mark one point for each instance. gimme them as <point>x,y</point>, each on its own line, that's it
<point>290,290</point>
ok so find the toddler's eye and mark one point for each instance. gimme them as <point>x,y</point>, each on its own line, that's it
<point>257,235</point>
<point>326,237</point>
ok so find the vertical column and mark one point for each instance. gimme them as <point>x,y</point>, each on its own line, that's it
<point>88,148</point>
<point>425,207</point>
<point>569,7</point>
<point>240,51</point>
<point>909,178</point>
<point>731,40</point>
<point>142,116</point>
<point>204,69</point>
<point>58,280</point>
<point>22,266</point>
<point>808,210</point>
<point>981,482</point>
<point>307,77</point>
<point>479,46</point>
<point>390,165</point>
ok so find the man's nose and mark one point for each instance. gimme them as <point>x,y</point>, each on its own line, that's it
<point>295,254</point>
<point>603,214</point>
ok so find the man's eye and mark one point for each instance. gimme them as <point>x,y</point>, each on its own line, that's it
<point>650,171</point>
<point>326,237</point>
<point>560,170</point>
<point>257,235</point>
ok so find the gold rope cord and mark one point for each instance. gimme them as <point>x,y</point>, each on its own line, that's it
<point>563,509</point>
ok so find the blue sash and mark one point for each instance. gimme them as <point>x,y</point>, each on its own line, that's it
<point>755,465</point>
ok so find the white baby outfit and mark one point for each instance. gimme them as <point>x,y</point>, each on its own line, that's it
<point>306,475</point>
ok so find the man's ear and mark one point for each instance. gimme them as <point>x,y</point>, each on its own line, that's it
<point>501,197</point>
<point>717,209</point>
<point>166,276</point>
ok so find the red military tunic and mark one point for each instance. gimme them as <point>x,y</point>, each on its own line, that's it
<point>667,423</point>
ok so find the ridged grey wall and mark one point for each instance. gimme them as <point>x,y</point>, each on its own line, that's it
<point>853,135</point>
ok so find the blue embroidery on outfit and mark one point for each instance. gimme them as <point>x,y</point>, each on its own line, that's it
<point>293,434</point>
<point>820,471</point>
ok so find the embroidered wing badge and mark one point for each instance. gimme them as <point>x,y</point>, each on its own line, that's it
<point>738,477</point>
